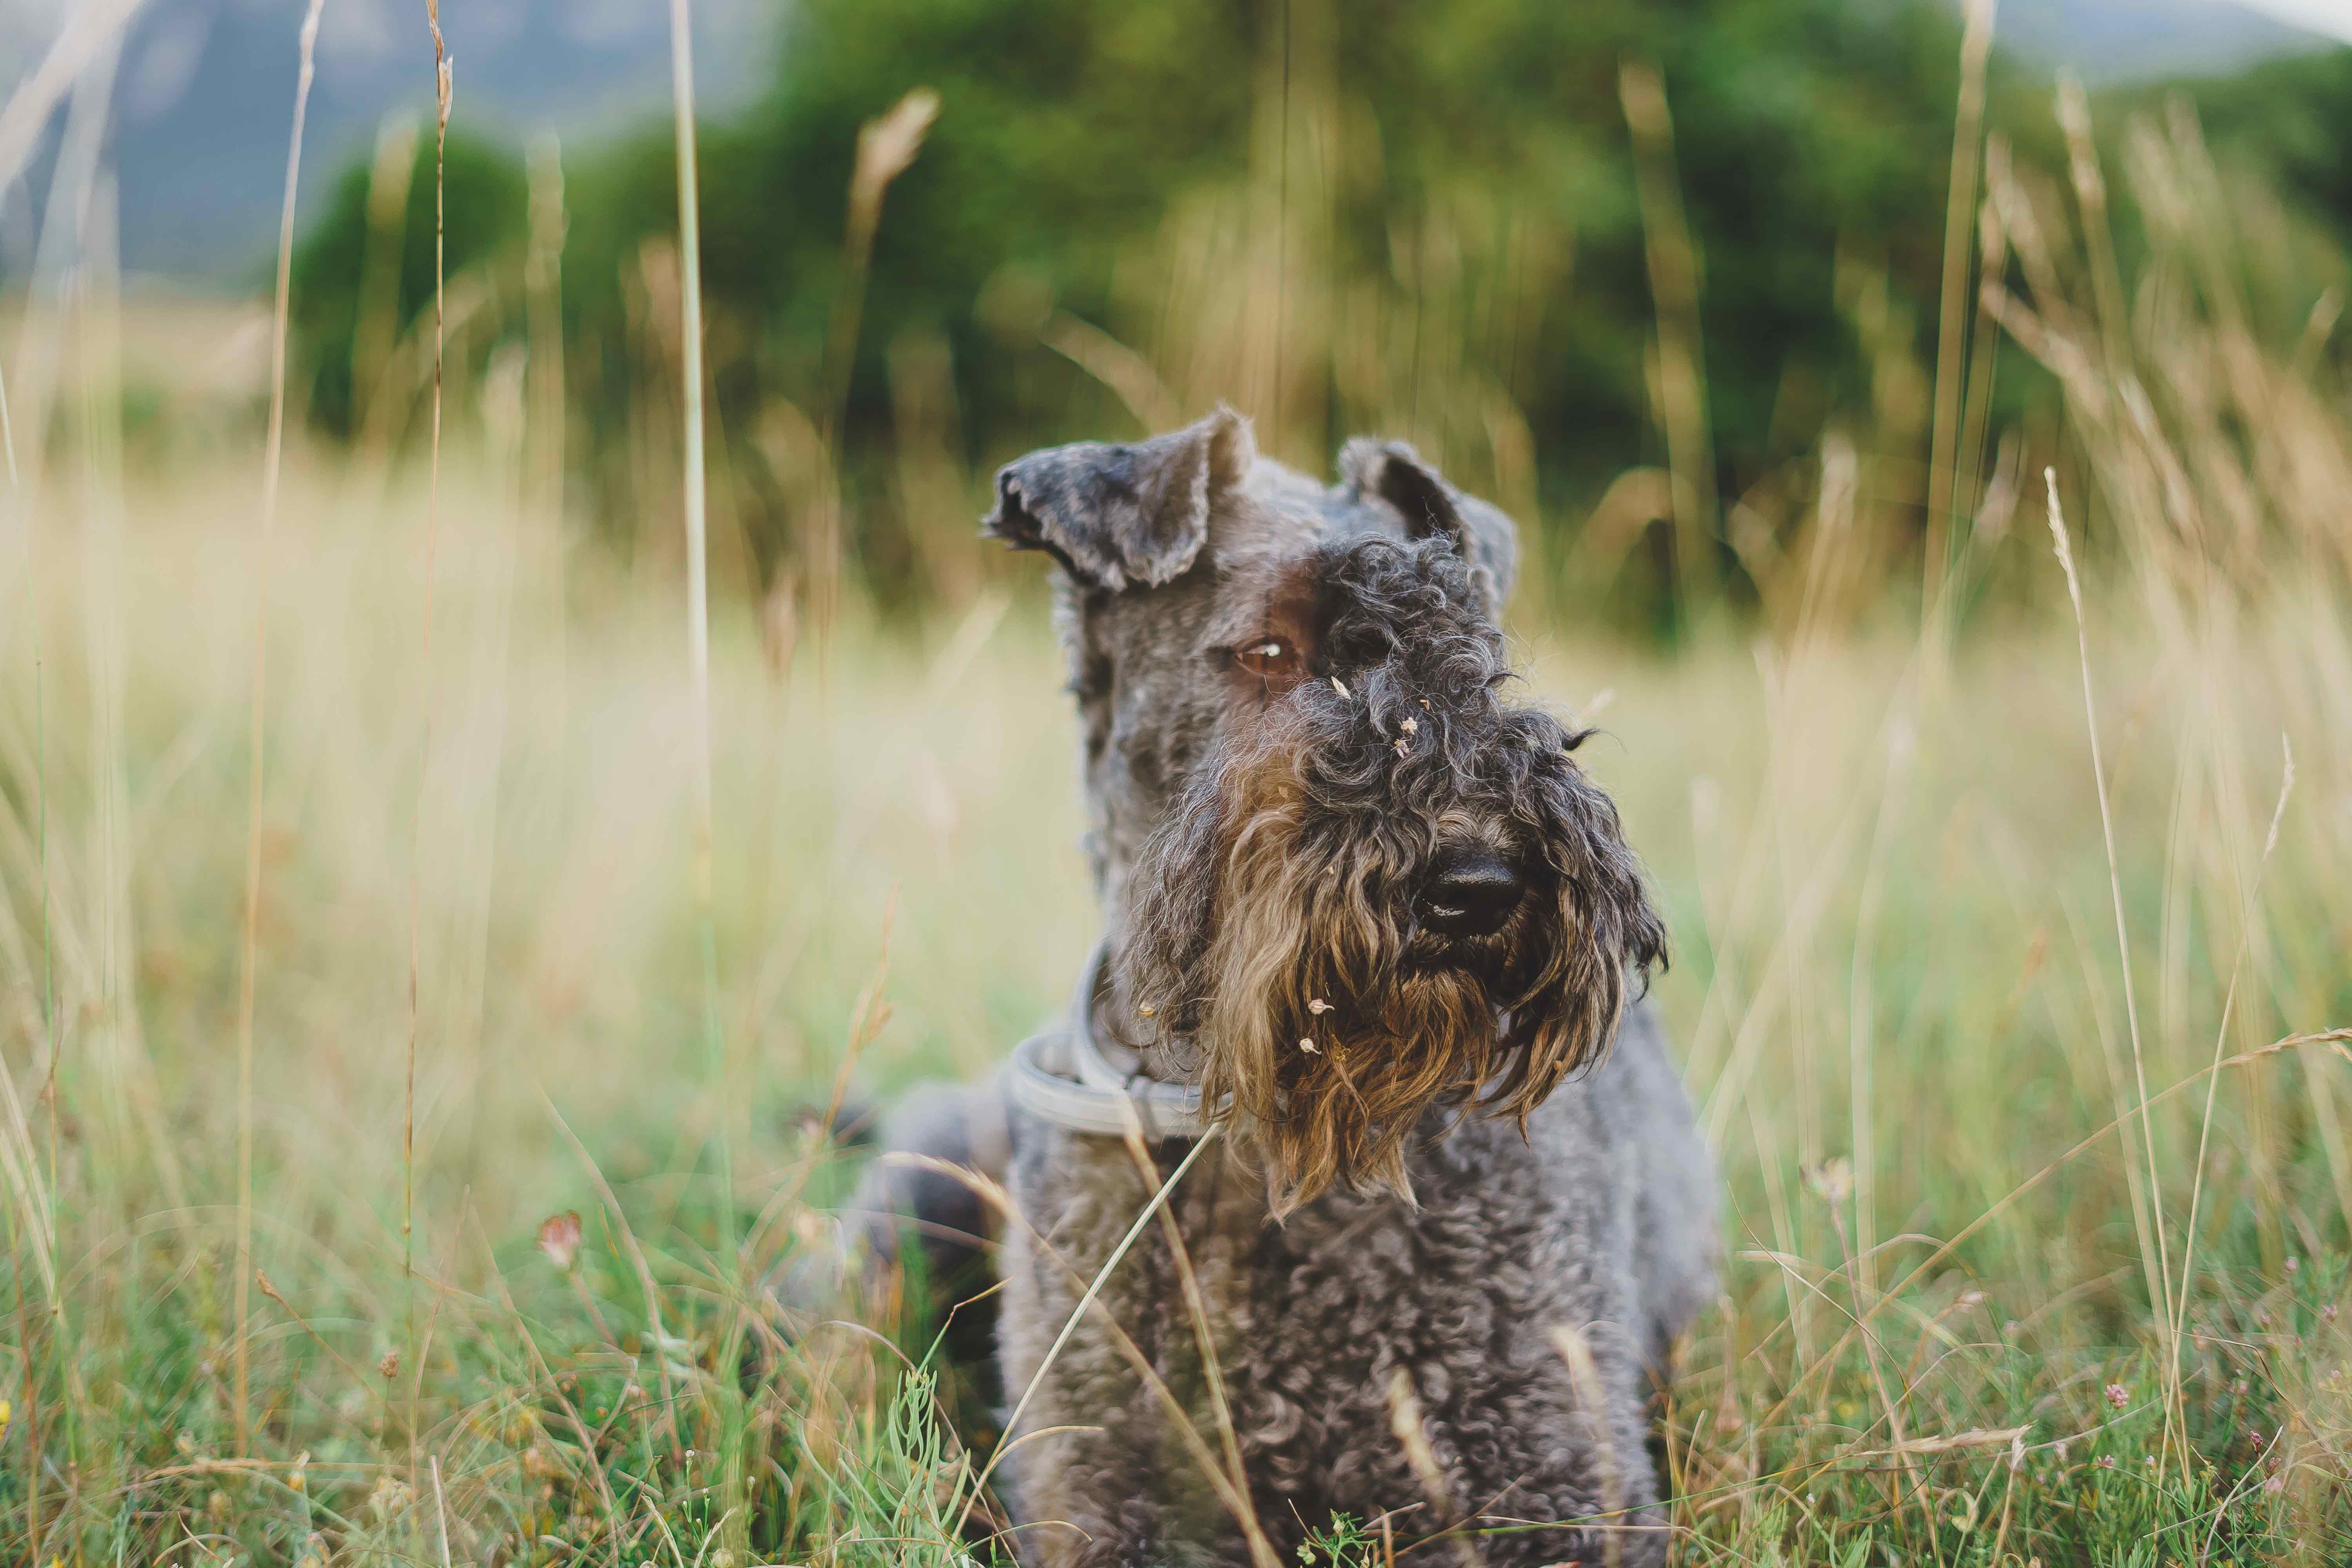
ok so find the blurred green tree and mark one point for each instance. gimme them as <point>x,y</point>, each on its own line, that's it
<point>1812,146</point>
<point>1068,128</point>
<point>361,280</point>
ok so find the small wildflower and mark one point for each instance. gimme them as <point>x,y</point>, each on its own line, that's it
<point>4,1418</point>
<point>1402,749</point>
<point>2326,1315</point>
<point>1310,1047</point>
<point>2119,1395</point>
<point>389,1497</point>
<point>2293,1264</point>
<point>1832,1180</point>
<point>559,1238</point>
<point>1340,686</point>
<point>2276,1484</point>
<point>389,1367</point>
<point>1319,1007</point>
<point>1410,726</point>
<point>2106,1461</point>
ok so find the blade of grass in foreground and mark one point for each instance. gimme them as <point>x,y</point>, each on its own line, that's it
<point>249,934</point>
<point>698,583</point>
<point>443,90</point>
<point>2122,928</point>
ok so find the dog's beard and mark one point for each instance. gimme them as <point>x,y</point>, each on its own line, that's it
<point>1272,935</point>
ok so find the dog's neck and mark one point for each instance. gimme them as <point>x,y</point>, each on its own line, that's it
<point>1131,1041</point>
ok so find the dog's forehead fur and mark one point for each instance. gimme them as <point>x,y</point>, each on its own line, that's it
<point>1142,659</point>
<point>1263,569</point>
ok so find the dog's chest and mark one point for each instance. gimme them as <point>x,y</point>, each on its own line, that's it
<point>1322,1326</point>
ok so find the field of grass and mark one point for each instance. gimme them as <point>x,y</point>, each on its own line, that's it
<point>1944,1330</point>
<point>2010,969</point>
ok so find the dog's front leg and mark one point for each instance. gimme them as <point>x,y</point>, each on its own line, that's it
<point>1111,1428</point>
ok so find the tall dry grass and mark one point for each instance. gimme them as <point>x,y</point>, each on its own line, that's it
<point>2037,1251</point>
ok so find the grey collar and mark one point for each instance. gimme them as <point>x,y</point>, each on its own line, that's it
<point>1066,1077</point>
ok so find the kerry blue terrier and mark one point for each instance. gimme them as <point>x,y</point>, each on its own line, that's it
<point>1366,921</point>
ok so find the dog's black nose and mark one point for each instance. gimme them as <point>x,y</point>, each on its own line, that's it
<point>1469,892</point>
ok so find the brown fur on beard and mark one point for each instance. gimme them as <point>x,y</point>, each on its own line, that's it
<point>1248,919</point>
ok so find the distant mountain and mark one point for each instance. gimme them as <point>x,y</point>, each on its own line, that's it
<point>2110,41</point>
<point>205,97</point>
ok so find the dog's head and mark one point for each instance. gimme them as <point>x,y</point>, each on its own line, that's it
<point>1346,881</point>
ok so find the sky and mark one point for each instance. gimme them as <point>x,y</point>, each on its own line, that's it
<point>2330,18</point>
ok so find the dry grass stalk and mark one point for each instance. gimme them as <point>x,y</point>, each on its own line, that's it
<point>865,1021</point>
<point>1585,1373</point>
<point>88,31</point>
<point>1405,1422</point>
<point>1196,1306</point>
<point>377,324</point>
<point>1126,373</point>
<point>2177,1409</point>
<point>249,931</point>
<point>441,1511</point>
<point>887,148</point>
<point>2122,928</point>
<point>2073,108</point>
<point>968,1495</point>
<point>1673,289</point>
<point>16,1156</point>
<point>444,90</point>
<point>1960,200</point>
<point>698,573</point>
<point>1093,1289</point>
<point>546,416</point>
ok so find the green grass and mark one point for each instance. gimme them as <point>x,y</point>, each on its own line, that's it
<point>1868,864</point>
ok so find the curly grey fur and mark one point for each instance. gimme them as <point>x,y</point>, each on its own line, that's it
<point>1479,1168</point>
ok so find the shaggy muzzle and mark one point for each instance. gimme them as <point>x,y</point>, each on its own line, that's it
<point>1301,938</point>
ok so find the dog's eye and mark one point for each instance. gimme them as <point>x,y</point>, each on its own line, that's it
<point>1269,658</point>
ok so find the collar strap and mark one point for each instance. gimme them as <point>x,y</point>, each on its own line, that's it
<point>1063,1076</point>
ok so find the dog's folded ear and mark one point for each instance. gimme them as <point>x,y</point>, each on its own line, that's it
<point>1394,473</point>
<point>1123,516</point>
